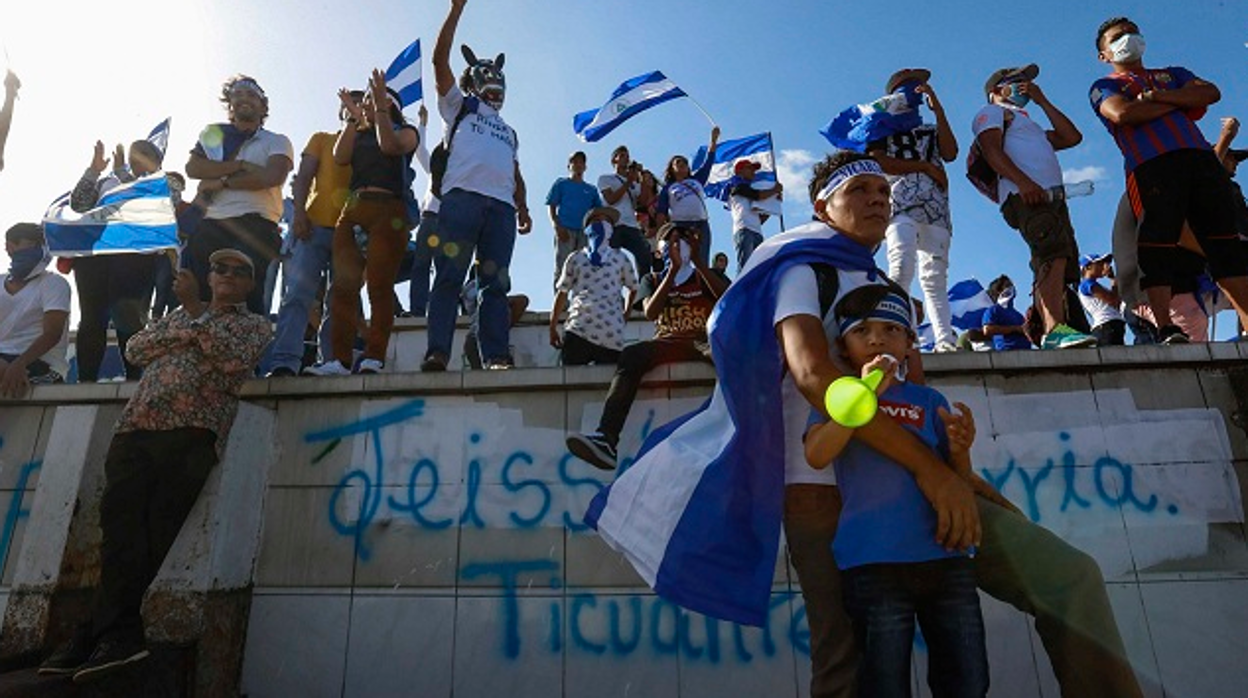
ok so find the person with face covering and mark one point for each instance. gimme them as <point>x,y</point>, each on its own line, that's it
<point>483,200</point>
<point>1173,175</point>
<point>682,199</point>
<point>1002,323</point>
<point>34,314</point>
<point>592,278</point>
<point>679,301</point>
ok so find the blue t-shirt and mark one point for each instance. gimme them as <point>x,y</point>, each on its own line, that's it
<point>572,200</point>
<point>1009,317</point>
<point>885,518</point>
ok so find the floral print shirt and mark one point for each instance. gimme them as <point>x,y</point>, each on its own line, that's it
<point>193,370</point>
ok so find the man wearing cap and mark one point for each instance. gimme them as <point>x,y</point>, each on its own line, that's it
<point>592,279</point>
<point>747,222</point>
<point>1173,176</point>
<point>1024,156</point>
<point>679,301</point>
<point>569,200</point>
<point>1103,305</point>
<point>116,287</point>
<point>34,314</point>
<point>920,229</point>
<point>242,166</point>
<point>170,435</point>
<point>621,190</point>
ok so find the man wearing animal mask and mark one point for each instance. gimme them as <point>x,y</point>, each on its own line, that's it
<point>477,174</point>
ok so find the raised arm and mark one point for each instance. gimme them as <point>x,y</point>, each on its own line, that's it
<point>444,78</point>
<point>11,86</point>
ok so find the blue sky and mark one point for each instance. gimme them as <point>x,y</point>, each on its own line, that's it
<point>111,71</point>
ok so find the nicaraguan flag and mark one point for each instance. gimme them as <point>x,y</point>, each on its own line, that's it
<point>403,75</point>
<point>862,124</point>
<point>134,217</point>
<point>967,302</point>
<point>159,136</point>
<point>698,514</point>
<point>756,148</point>
<point>628,100</point>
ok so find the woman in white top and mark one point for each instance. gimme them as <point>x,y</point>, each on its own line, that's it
<point>683,200</point>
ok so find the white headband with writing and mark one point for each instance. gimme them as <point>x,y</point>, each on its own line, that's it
<point>846,172</point>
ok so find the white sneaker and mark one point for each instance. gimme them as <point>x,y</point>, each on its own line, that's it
<point>945,348</point>
<point>371,366</point>
<point>328,368</point>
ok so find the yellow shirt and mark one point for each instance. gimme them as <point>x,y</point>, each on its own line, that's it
<point>331,184</point>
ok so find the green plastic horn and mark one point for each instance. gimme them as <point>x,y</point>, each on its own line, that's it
<point>850,401</point>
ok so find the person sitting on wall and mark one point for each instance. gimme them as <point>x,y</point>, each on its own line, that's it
<point>34,314</point>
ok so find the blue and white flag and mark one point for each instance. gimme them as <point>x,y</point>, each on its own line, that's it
<point>862,124</point>
<point>967,302</point>
<point>159,136</point>
<point>404,76</point>
<point>628,100</point>
<point>699,512</point>
<point>756,148</point>
<point>134,217</point>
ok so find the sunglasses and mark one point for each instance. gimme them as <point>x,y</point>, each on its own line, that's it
<point>238,270</point>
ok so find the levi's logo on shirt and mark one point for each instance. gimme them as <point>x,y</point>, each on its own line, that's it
<point>903,413</point>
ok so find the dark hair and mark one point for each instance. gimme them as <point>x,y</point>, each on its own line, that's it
<point>148,150</point>
<point>228,86</point>
<point>824,169</point>
<point>24,231</point>
<point>998,285</point>
<point>669,175</point>
<point>859,302</point>
<point>619,149</point>
<point>1106,26</point>
<point>578,154</point>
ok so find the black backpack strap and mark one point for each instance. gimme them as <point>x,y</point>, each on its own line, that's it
<point>828,282</point>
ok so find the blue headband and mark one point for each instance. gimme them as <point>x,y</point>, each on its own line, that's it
<point>846,172</point>
<point>892,308</point>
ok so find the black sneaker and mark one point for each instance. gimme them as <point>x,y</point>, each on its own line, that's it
<point>434,363</point>
<point>70,656</point>
<point>281,372</point>
<point>1171,334</point>
<point>110,655</point>
<point>594,449</point>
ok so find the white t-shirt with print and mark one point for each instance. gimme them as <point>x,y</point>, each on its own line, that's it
<point>626,205</point>
<point>232,203</point>
<point>596,309</point>
<point>1026,144</point>
<point>21,317</point>
<point>686,201</point>
<point>916,194</point>
<point>483,151</point>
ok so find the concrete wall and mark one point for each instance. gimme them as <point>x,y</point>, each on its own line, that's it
<point>420,535</point>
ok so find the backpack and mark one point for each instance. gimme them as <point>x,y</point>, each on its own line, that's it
<point>979,172</point>
<point>441,154</point>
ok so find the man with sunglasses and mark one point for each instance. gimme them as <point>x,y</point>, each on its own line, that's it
<point>1024,156</point>
<point>170,435</point>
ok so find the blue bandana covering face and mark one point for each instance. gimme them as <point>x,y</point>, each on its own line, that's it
<point>1017,98</point>
<point>23,263</point>
<point>909,91</point>
<point>597,233</point>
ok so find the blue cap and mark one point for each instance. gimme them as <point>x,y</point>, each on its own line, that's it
<point>1085,260</point>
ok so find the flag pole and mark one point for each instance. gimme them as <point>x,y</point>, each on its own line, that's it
<point>699,106</point>
<point>772,144</point>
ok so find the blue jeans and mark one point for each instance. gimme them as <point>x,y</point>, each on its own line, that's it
<point>302,274</point>
<point>631,239</point>
<point>745,241</point>
<point>422,261</point>
<point>471,222</point>
<point>883,601</point>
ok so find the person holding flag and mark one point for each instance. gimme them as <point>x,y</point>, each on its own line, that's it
<point>683,200</point>
<point>743,199</point>
<point>112,286</point>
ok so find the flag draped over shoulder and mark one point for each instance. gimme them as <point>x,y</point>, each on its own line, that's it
<point>404,76</point>
<point>628,100</point>
<point>756,148</point>
<point>967,302</point>
<point>134,217</point>
<point>699,512</point>
<point>862,124</point>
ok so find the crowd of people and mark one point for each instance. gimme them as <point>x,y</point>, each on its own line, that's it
<point>633,241</point>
